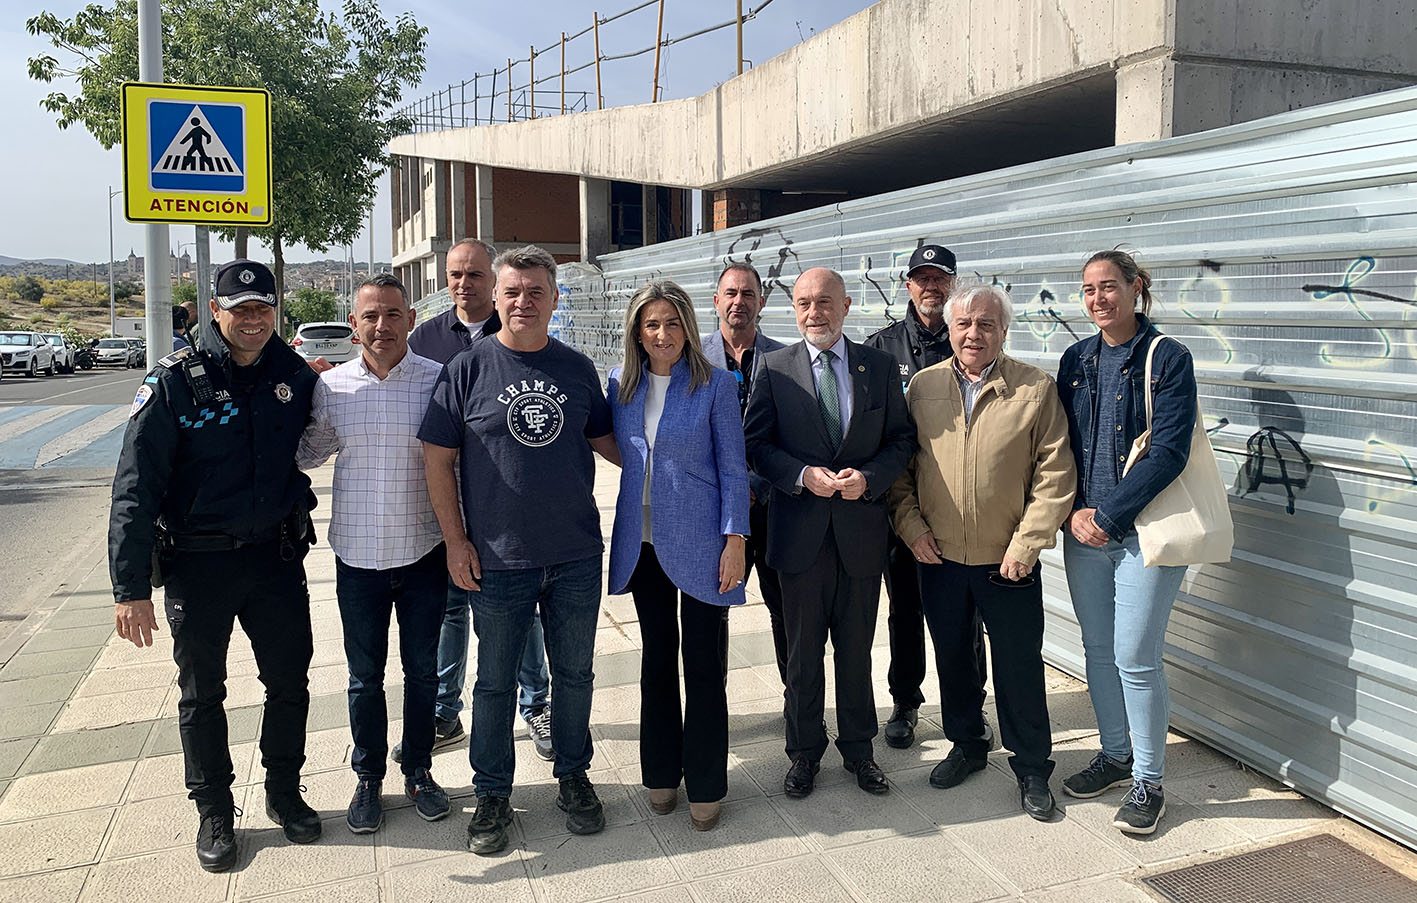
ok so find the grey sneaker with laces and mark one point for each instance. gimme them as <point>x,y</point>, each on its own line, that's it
<point>366,809</point>
<point>1141,809</point>
<point>538,728</point>
<point>429,800</point>
<point>1098,777</point>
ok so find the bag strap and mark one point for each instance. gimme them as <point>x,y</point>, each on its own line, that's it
<point>1150,352</point>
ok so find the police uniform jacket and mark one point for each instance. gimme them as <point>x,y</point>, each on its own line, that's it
<point>911,345</point>
<point>223,467</point>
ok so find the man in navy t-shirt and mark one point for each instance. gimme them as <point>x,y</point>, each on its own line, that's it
<point>526,412</point>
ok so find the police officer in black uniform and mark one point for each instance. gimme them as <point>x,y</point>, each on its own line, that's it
<point>207,499</point>
<point>920,340</point>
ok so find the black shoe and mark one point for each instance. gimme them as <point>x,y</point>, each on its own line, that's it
<point>216,840</point>
<point>429,800</point>
<point>366,809</point>
<point>446,733</point>
<point>869,776</point>
<point>900,730</point>
<point>584,814</point>
<point>1141,810</point>
<point>800,777</point>
<point>287,809</point>
<point>955,768</point>
<point>538,728</point>
<point>1035,797</point>
<point>1098,778</point>
<point>487,831</point>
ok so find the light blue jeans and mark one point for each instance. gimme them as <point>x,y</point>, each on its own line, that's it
<point>1122,607</point>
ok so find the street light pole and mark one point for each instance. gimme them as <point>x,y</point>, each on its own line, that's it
<point>112,309</point>
<point>156,281</point>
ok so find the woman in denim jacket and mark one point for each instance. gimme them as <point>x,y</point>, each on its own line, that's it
<point>1121,605</point>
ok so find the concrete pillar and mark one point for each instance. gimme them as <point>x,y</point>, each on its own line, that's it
<point>1146,93</point>
<point>735,207</point>
<point>439,210</point>
<point>457,202</point>
<point>595,218</point>
<point>649,214</point>
<point>483,229</point>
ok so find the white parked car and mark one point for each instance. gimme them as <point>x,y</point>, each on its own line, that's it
<point>113,353</point>
<point>63,351</point>
<point>335,342</point>
<point>27,352</point>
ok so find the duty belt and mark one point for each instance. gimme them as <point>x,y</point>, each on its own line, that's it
<point>220,542</point>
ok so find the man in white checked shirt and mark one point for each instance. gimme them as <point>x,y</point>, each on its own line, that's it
<point>389,556</point>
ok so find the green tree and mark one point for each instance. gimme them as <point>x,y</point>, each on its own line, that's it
<point>184,291</point>
<point>312,305</point>
<point>334,82</point>
<point>122,291</point>
<point>29,288</point>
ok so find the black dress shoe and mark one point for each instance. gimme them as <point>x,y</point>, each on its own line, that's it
<point>800,777</point>
<point>216,841</point>
<point>1035,797</point>
<point>900,730</point>
<point>869,776</point>
<point>955,768</point>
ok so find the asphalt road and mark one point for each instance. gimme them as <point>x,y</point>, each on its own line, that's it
<point>51,518</point>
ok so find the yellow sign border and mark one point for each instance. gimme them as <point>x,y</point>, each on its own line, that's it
<point>199,208</point>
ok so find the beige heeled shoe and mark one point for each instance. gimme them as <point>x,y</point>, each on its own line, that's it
<point>663,801</point>
<point>703,816</point>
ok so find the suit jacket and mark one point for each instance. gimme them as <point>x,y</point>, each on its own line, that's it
<point>785,432</point>
<point>699,488</point>
<point>713,350</point>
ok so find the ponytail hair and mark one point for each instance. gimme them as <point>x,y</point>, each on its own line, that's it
<point>1130,271</point>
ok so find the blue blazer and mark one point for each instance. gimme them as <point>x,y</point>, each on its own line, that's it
<point>699,492</point>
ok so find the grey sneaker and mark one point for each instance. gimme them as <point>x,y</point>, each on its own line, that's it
<point>366,810</point>
<point>1141,809</point>
<point>584,814</point>
<point>429,800</point>
<point>446,733</point>
<point>538,728</point>
<point>487,831</point>
<point>1099,777</point>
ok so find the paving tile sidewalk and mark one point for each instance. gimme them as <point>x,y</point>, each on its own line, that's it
<point>92,806</point>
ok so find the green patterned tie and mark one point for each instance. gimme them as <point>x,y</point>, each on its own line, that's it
<point>828,400</point>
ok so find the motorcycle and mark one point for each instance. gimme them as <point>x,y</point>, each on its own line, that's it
<point>83,358</point>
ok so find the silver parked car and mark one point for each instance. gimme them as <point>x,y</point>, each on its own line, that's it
<point>335,342</point>
<point>113,353</point>
<point>26,352</point>
<point>63,351</point>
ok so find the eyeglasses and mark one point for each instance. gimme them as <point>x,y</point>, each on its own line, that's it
<point>1000,580</point>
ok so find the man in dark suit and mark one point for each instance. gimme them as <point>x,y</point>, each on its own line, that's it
<point>828,428</point>
<point>738,346</point>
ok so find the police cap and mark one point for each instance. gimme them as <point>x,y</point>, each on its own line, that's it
<point>937,256</point>
<point>244,280</point>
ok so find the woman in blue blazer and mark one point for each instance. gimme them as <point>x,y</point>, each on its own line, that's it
<point>678,542</point>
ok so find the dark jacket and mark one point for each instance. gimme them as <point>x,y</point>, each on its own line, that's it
<point>911,345</point>
<point>717,355</point>
<point>445,335</point>
<point>1173,381</point>
<point>785,432</point>
<point>227,466</point>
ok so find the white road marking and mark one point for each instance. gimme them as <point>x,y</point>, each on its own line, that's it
<point>81,436</point>
<point>28,422</point>
<point>86,388</point>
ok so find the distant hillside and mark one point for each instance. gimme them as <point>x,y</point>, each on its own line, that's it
<point>47,261</point>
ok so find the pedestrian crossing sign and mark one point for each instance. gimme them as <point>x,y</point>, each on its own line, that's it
<point>196,154</point>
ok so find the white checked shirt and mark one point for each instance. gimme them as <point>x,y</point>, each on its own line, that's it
<point>382,517</point>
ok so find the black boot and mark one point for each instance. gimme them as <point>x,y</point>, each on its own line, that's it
<point>287,809</point>
<point>216,839</point>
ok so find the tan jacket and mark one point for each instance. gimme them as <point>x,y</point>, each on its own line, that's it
<point>1001,486</point>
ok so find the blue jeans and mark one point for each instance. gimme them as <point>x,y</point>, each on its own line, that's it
<point>414,593</point>
<point>1123,608</point>
<point>503,612</point>
<point>532,676</point>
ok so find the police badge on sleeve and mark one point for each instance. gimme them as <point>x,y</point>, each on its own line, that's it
<point>144,394</point>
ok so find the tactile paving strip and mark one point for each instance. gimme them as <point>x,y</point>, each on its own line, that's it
<point>1318,869</point>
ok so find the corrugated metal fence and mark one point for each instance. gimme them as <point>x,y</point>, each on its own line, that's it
<point>1285,256</point>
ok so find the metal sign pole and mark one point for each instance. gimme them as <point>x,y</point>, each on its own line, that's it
<point>157,280</point>
<point>204,278</point>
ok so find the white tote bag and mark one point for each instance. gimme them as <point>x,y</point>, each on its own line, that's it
<point>1188,522</point>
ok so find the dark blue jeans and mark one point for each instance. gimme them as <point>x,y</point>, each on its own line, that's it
<point>532,676</point>
<point>416,594</point>
<point>568,596</point>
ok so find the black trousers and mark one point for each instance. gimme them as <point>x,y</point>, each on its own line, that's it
<point>769,584</point>
<point>907,627</point>
<point>954,596</point>
<point>206,593</point>
<point>692,746</point>
<point>821,601</point>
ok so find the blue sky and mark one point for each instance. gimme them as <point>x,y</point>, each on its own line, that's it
<point>56,193</point>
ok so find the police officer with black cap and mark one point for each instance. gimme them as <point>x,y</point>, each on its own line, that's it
<point>208,501</point>
<point>919,340</point>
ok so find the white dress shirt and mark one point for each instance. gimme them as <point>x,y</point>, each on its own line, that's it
<point>382,517</point>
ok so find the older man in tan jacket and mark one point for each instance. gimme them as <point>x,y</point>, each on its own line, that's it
<point>984,495</point>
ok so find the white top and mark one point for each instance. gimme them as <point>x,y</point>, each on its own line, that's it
<point>474,328</point>
<point>654,408</point>
<point>382,517</point>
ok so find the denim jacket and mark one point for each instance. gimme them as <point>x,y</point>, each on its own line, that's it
<point>1173,395</point>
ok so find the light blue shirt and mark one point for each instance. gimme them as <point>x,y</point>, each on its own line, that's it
<point>843,376</point>
<point>970,388</point>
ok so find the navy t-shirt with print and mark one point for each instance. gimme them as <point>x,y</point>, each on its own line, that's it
<point>521,420</point>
